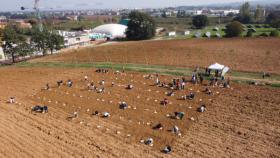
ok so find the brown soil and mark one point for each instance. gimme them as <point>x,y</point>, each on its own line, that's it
<point>242,54</point>
<point>239,122</point>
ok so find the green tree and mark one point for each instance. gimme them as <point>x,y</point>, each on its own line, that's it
<point>245,9</point>
<point>274,33</point>
<point>14,44</point>
<point>54,42</point>
<point>244,14</point>
<point>200,21</point>
<point>273,16</point>
<point>234,29</point>
<point>141,26</point>
<point>259,14</point>
<point>46,40</point>
<point>273,19</point>
<point>249,33</point>
<point>275,23</point>
<point>39,39</point>
<point>181,14</point>
<point>1,36</point>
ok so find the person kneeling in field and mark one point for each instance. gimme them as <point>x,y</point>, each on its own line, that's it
<point>47,86</point>
<point>96,113</point>
<point>175,129</point>
<point>102,82</point>
<point>165,101</point>
<point>171,94</point>
<point>101,90</point>
<point>69,83</point>
<point>149,142</point>
<point>130,86</point>
<point>208,91</point>
<point>202,108</point>
<point>41,109</point>
<point>106,114</point>
<point>158,127</point>
<point>123,105</point>
<point>179,115</point>
<point>189,97</point>
<point>167,149</point>
<point>86,78</point>
<point>11,100</point>
<point>59,83</point>
<point>91,86</point>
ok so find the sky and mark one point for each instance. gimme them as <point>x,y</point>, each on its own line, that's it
<point>14,5</point>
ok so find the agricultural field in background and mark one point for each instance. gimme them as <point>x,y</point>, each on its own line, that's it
<point>240,54</point>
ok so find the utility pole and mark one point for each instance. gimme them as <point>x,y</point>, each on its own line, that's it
<point>38,14</point>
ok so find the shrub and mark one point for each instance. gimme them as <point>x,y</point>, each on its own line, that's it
<point>141,26</point>
<point>252,30</point>
<point>234,29</point>
<point>264,35</point>
<point>249,26</point>
<point>258,26</point>
<point>200,21</point>
<point>274,33</point>
<point>249,33</point>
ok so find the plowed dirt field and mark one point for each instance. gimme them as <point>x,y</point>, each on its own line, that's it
<point>242,121</point>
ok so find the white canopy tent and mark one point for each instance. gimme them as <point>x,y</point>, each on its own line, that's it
<point>216,66</point>
<point>223,69</point>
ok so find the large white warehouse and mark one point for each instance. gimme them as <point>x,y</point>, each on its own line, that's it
<point>110,30</point>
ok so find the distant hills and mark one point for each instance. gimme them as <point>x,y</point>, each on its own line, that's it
<point>268,3</point>
<point>253,3</point>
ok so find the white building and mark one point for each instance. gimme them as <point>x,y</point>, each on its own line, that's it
<point>2,55</point>
<point>223,12</point>
<point>187,32</point>
<point>159,30</point>
<point>75,38</point>
<point>3,19</point>
<point>170,34</point>
<point>111,31</point>
<point>194,12</point>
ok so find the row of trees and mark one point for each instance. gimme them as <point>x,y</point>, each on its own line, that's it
<point>17,44</point>
<point>235,29</point>
<point>141,26</point>
<point>245,16</point>
<point>258,16</point>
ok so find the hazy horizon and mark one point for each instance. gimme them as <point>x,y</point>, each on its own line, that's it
<point>14,5</point>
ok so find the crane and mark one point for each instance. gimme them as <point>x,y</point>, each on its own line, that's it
<point>38,13</point>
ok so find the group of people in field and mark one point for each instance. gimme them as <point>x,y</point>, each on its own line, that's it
<point>176,84</point>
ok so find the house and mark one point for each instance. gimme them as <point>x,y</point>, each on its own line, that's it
<point>173,33</point>
<point>78,38</point>
<point>187,32</point>
<point>159,30</point>
<point>2,55</point>
<point>23,24</point>
<point>3,19</point>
